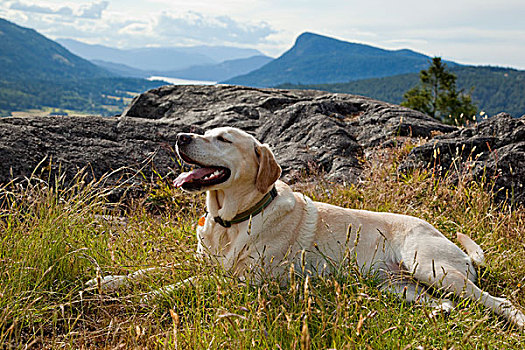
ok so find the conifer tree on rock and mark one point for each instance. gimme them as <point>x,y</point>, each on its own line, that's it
<point>437,96</point>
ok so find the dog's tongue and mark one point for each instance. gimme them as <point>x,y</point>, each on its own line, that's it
<point>192,175</point>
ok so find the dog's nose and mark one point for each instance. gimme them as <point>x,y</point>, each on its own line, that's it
<point>183,139</point>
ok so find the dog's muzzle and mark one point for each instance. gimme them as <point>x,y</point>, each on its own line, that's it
<point>184,139</point>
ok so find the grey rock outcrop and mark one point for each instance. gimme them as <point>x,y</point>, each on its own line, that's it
<point>308,130</point>
<point>492,150</point>
<point>63,145</point>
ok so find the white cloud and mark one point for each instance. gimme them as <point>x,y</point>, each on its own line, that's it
<point>94,10</point>
<point>220,29</point>
<point>63,11</point>
<point>91,11</point>
<point>95,22</point>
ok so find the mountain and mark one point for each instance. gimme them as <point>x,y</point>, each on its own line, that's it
<point>205,72</point>
<point>495,89</point>
<point>316,59</point>
<point>26,54</point>
<point>38,73</point>
<point>122,70</point>
<point>220,53</point>
<point>158,58</point>
<point>145,59</point>
<point>220,71</point>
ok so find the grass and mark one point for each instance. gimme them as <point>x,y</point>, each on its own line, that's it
<point>55,238</point>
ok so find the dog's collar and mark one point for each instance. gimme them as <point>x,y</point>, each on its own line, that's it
<point>245,215</point>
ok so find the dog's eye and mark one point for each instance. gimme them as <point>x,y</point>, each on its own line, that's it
<point>222,139</point>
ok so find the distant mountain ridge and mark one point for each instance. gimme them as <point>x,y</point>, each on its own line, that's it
<point>158,58</point>
<point>144,59</point>
<point>206,72</point>
<point>122,69</point>
<point>220,71</point>
<point>316,59</point>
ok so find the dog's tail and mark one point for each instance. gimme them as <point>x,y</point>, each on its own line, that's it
<point>474,251</point>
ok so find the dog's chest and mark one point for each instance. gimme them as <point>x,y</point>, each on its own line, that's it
<point>223,244</point>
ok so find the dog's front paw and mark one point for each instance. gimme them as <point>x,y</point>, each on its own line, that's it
<point>518,318</point>
<point>514,315</point>
<point>107,284</point>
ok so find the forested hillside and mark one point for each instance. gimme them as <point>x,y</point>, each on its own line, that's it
<point>26,54</point>
<point>494,89</point>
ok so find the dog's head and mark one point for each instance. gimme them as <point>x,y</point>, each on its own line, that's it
<point>225,157</point>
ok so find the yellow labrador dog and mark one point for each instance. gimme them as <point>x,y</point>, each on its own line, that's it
<point>257,225</point>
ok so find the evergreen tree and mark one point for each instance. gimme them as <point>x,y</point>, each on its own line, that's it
<point>437,95</point>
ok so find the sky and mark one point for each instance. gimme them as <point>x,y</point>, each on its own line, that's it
<point>479,32</point>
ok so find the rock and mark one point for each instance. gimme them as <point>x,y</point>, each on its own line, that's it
<point>132,148</point>
<point>309,131</point>
<point>492,150</point>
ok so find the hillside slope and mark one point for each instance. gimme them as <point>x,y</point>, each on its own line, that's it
<point>495,89</point>
<point>26,54</point>
<point>316,59</point>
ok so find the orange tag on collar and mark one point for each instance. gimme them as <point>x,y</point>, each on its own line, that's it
<point>201,221</point>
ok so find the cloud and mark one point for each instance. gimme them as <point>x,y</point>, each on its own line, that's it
<point>93,11</point>
<point>134,29</point>
<point>64,11</point>
<point>90,20</point>
<point>198,27</point>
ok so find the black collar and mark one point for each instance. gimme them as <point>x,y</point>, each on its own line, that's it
<point>245,215</point>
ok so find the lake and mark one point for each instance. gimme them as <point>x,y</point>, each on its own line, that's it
<point>178,81</point>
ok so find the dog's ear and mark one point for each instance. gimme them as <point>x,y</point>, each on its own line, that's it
<point>269,170</point>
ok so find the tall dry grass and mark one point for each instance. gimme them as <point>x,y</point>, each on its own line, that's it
<point>55,238</point>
